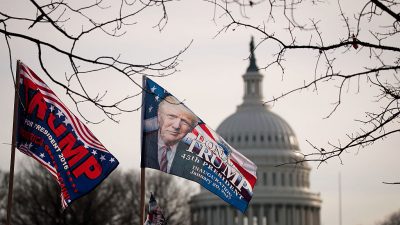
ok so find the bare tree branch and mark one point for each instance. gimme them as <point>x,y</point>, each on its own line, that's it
<point>369,33</point>
<point>75,23</point>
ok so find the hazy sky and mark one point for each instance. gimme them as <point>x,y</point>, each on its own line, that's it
<point>210,82</point>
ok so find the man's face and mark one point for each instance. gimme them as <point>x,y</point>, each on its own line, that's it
<point>175,122</point>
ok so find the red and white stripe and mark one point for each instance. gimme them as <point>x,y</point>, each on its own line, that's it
<point>85,135</point>
<point>246,167</point>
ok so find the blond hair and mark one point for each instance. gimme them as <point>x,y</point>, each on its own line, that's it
<point>172,101</point>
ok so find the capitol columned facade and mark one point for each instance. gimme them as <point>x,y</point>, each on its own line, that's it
<point>282,195</point>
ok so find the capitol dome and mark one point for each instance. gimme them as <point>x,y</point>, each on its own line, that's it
<point>282,194</point>
<point>257,127</point>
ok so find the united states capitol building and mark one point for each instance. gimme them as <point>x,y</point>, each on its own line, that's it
<point>282,195</point>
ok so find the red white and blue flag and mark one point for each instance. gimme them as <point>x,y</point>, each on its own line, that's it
<point>53,136</point>
<point>155,214</point>
<point>200,154</point>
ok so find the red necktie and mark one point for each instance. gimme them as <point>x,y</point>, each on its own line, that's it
<point>164,159</point>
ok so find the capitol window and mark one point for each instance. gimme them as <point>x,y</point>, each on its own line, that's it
<point>274,179</point>
<point>298,180</point>
<point>253,87</point>
<point>305,180</point>
<point>265,178</point>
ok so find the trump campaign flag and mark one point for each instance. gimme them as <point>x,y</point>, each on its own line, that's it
<point>176,141</point>
<point>48,132</point>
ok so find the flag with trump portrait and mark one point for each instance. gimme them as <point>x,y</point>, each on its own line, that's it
<point>48,132</point>
<point>176,141</point>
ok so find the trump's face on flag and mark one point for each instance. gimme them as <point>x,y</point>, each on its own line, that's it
<point>175,120</point>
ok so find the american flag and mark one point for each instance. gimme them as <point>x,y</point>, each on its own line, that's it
<point>155,214</point>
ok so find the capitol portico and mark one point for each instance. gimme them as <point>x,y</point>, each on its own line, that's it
<point>282,195</point>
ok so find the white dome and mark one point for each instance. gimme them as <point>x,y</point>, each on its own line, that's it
<point>255,126</point>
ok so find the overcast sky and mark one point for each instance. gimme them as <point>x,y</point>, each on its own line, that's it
<point>210,82</point>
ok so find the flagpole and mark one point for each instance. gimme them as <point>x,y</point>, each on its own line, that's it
<point>340,198</point>
<point>142,195</point>
<point>142,169</point>
<point>13,145</point>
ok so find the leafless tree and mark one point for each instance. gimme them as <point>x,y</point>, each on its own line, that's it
<point>370,33</point>
<point>392,219</point>
<point>61,29</point>
<point>169,193</point>
<point>3,196</point>
<point>115,201</point>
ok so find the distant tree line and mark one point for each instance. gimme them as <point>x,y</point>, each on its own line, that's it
<point>3,196</point>
<point>37,201</point>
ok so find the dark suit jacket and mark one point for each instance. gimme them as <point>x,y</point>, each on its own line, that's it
<point>180,166</point>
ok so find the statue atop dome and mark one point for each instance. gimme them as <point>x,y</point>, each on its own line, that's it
<point>252,82</point>
<point>253,66</point>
